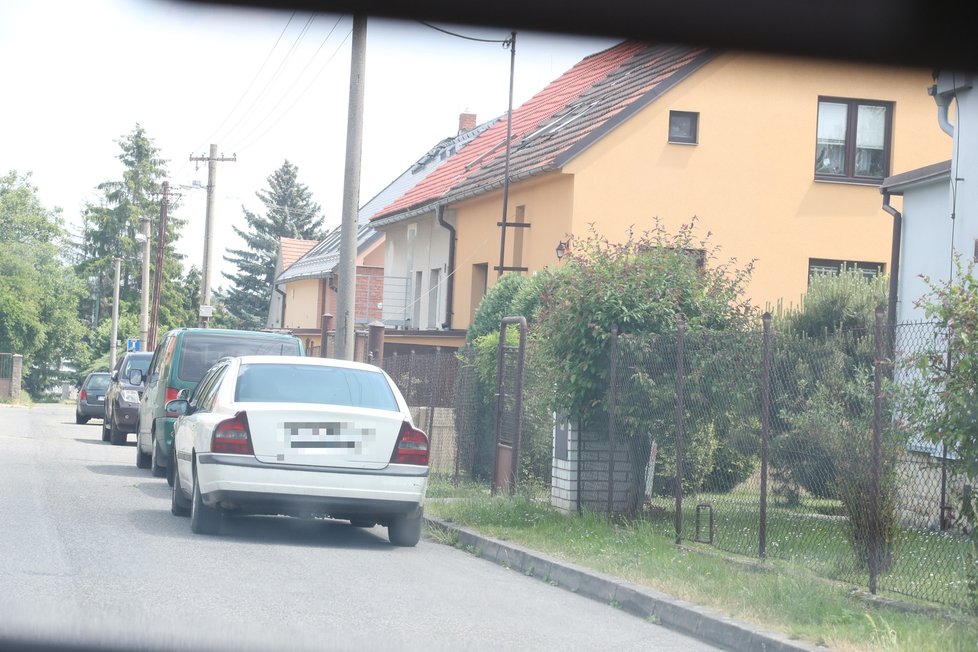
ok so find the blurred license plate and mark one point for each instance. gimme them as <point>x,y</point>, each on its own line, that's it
<point>99,398</point>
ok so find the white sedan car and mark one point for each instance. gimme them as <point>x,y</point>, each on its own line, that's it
<point>301,437</point>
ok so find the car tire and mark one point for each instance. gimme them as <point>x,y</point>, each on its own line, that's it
<point>405,530</point>
<point>143,460</point>
<point>105,430</point>
<point>79,419</point>
<point>203,519</point>
<point>179,504</point>
<point>362,522</point>
<point>158,470</point>
<point>116,435</point>
<point>171,467</point>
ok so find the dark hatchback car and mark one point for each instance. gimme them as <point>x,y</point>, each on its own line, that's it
<point>122,397</point>
<point>91,397</point>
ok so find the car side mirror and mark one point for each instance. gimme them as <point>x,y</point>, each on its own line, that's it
<point>115,375</point>
<point>178,406</point>
<point>183,393</point>
<point>136,377</point>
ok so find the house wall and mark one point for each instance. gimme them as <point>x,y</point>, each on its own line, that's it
<point>302,307</point>
<point>925,245</point>
<point>750,180</point>
<point>548,207</point>
<point>405,256</point>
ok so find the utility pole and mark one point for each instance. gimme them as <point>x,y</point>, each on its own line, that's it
<point>346,294</point>
<point>154,320</point>
<point>205,281</point>
<point>144,294</point>
<point>115,315</point>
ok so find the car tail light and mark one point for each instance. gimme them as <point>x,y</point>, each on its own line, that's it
<point>172,394</point>
<point>82,394</point>
<point>412,447</point>
<point>232,436</point>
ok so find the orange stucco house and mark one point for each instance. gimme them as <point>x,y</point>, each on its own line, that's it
<point>780,159</point>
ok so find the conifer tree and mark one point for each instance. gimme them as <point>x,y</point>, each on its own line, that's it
<point>290,212</point>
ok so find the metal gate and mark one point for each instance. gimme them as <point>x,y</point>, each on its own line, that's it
<point>509,407</point>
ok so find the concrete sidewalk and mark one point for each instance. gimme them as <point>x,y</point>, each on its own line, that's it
<point>687,618</point>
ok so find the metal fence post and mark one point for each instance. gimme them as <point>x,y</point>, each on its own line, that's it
<point>326,325</point>
<point>612,394</point>
<point>680,424</point>
<point>765,431</point>
<point>875,534</point>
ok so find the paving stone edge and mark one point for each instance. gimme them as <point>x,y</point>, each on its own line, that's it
<point>699,622</point>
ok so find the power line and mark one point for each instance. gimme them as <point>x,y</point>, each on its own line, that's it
<point>272,78</point>
<point>250,84</point>
<point>463,36</point>
<point>238,145</point>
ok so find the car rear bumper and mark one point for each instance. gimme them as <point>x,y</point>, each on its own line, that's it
<point>126,418</point>
<point>245,484</point>
<point>91,409</point>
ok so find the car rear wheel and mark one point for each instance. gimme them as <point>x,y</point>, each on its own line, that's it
<point>179,505</point>
<point>117,436</point>
<point>158,469</point>
<point>203,519</point>
<point>105,430</point>
<point>143,460</point>
<point>79,419</point>
<point>405,530</point>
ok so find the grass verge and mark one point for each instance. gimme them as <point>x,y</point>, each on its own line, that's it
<point>781,596</point>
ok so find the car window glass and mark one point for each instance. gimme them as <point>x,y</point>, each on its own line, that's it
<point>98,381</point>
<point>303,383</point>
<point>167,358</point>
<point>209,397</point>
<point>154,364</point>
<point>201,350</point>
<point>202,387</point>
<point>135,362</point>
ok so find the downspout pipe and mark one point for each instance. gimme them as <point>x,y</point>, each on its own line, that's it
<point>281,310</point>
<point>891,307</point>
<point>943,106</point>
<point>450,287</point>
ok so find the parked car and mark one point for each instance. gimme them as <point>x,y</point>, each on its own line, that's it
<point>180,360</point>
<point>296,436</point>
<point>90,403</point>
<point>122,397</point>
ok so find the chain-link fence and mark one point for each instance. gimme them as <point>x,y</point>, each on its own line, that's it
<point>787,447</point>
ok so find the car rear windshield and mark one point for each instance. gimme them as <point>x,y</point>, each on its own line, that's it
<point>201,350</point>
<point>100,381</point>
<point>298,383</point>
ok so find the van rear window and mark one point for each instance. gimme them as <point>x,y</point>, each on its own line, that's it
<point>201,350</point>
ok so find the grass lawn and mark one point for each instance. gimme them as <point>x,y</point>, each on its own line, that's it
<point>781,595</point>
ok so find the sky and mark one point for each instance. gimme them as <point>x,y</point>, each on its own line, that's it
<point>264,86</point>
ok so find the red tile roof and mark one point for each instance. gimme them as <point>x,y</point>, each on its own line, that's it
<point>491,143</point>
<point>292,249</point>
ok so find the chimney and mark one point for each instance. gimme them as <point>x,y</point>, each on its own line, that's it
<point>466,121</point>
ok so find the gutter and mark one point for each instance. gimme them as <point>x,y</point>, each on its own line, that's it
<point>894,265</point>
<point>450,289</point>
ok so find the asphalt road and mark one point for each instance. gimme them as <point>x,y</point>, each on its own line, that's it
<point>90,555</point>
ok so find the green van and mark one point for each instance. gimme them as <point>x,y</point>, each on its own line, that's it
<point>181,359</point>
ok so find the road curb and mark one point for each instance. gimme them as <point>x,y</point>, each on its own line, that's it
<point>704,624</point>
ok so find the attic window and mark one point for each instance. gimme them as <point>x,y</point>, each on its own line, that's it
<point>683,127</point>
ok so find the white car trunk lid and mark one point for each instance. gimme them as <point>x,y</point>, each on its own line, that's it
<point>334,436</point>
